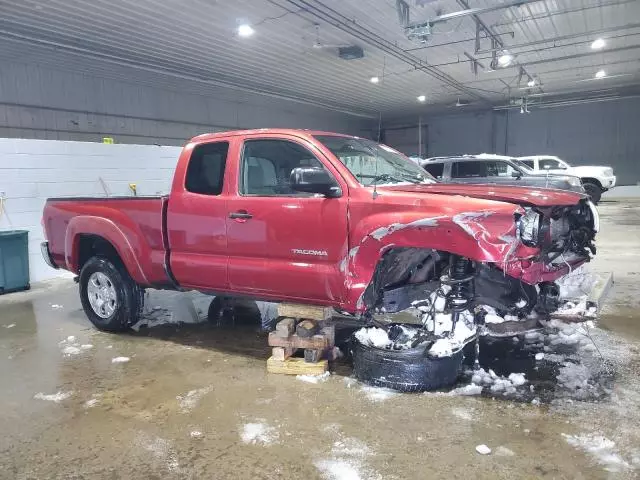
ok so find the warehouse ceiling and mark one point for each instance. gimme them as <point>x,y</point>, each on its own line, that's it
<point>427,55</point>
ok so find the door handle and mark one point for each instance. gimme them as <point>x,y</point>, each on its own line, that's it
<point>244,215</point>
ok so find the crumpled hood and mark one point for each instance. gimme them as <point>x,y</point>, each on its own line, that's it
<point>540,197</point>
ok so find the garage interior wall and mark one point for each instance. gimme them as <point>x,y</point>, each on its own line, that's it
<point>44,103</point>
<point>33,170</point>
<point>598,133</point>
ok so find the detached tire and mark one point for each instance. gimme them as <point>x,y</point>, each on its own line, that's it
<point>408,370</point>
<point>110,298</point>
<point>594,191</point>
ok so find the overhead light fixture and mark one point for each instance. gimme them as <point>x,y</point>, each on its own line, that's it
<point>374,80</point>
<point>598,43</point>
<point>422,98</point>
<point>245,30</point>
<point>531,82</point>
<point>505,59</point>
<point>601,74</point>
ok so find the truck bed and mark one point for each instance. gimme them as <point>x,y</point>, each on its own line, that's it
<point>136,221</point>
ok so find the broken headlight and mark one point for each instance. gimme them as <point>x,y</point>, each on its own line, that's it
<point>529,228</point>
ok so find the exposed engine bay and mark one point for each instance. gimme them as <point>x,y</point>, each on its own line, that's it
<point>464,288</point>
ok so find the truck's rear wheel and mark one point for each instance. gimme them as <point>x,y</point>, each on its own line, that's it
<point>594,191</point>
<point>110,298</point>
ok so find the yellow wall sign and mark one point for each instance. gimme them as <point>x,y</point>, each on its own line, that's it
<point>108,140</point>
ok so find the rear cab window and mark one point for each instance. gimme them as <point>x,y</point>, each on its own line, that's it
<point>205,172</point>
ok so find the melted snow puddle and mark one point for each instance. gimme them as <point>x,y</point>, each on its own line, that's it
<point>70,347</point>
<point>161,449</point>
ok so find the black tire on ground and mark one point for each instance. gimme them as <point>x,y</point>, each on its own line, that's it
<point>125,310</point>
<point>408,370</point>
<point>593,190</point>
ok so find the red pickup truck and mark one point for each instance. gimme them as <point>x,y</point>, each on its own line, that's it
<point>318,218</point>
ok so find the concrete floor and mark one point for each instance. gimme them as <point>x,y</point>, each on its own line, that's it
<point>195,401</point>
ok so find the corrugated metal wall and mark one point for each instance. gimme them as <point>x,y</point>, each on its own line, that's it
<point>603,133</point>
<point>37,102</point>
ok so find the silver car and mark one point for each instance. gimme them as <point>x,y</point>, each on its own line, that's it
<point>496,169</point>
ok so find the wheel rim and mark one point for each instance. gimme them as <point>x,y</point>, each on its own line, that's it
<point>102,295</point>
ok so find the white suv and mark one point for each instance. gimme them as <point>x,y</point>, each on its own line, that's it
<point>596,180</point>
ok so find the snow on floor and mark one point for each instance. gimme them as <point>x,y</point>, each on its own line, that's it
<point>120,359</point>
<point>496,383</point>
<point>53,397</point>
<point>70,346</point>
<point>161,449</point>
<point>600,448</point>
<point>378,394</point>
<point>259,433</point>
<point>314,378</point>
<point>189,400</point>
<point>347,461</point>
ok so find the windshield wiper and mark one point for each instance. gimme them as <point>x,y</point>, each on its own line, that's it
<point>384,177</point>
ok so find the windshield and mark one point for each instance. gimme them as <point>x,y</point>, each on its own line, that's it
<point>373,163</point>
<point>522,165</point>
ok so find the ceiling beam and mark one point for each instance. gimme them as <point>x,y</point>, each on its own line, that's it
<point>566,37</point>
<point>469,12</point>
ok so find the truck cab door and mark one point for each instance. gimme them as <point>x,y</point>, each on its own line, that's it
<point>285,244</point>
<point>196,218</point>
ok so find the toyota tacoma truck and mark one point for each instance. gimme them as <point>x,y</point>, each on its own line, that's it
<point>318,218</point>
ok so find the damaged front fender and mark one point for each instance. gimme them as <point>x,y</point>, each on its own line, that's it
<point>484,236</point>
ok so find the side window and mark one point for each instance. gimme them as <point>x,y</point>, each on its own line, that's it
<point>469,169</point>
<point>499,169</point>
<point>267,164</point>
<point>528,163</point>
<point>205,172</point>
<point>549,164</point>
<point>435,169</point>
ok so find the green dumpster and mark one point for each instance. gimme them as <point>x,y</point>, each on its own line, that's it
<point>14,261</point>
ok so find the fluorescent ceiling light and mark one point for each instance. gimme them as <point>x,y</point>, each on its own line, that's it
<point>505,59</point>
<point>598,43</point>
<point>374,80</point>
<point>422,98</point>
<point>531,83</point>
<point>601,74</point>
<point>245,30</point>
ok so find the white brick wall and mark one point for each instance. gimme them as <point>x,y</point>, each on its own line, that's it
<point>33,170</point>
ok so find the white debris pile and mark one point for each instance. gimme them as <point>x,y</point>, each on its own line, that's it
<point>464,332</point>
<point>569,333</point>
<point>259,433</point>
<point>496,383</point>
<point>600,448</point>
<point>70,346</point>
<point>314,378</point>
<point>576,284</point>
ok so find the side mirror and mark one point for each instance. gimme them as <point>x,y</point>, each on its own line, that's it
<point>516,174</point>
<point>314,180</point>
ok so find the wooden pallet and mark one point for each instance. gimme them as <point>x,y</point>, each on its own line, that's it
<point>301,334</point>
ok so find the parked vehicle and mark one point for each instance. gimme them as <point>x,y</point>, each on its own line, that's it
<point>495,169</point>
<point>595,179</point>
<point>318,218</point>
